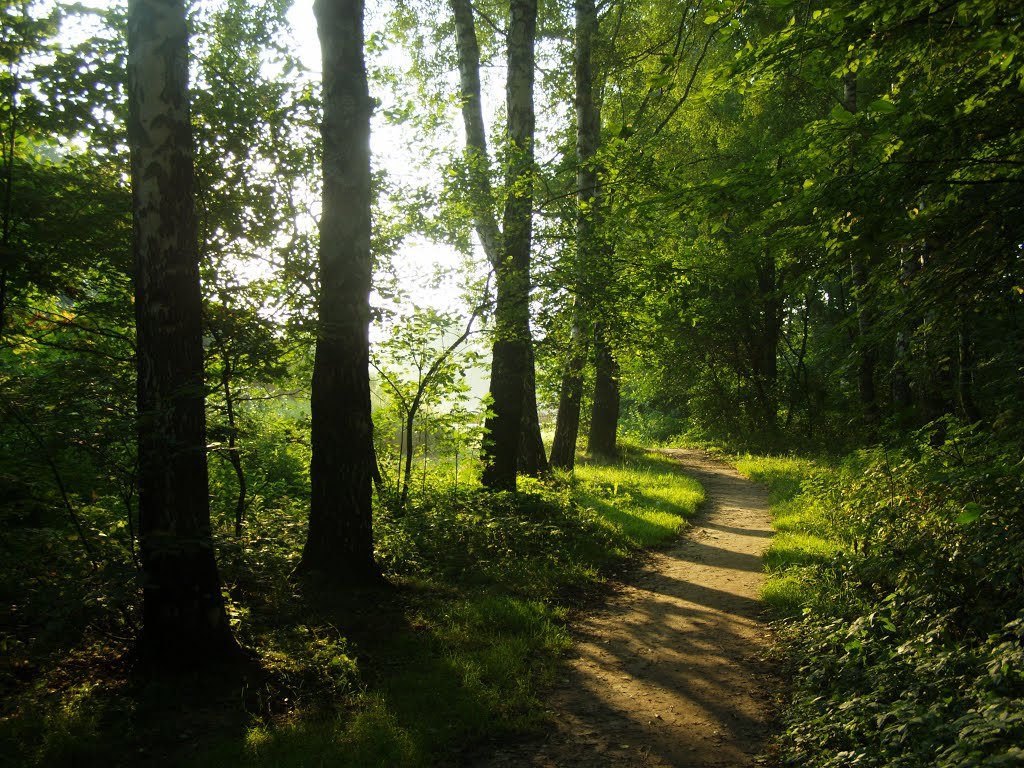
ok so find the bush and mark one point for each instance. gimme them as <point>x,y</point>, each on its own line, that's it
<point>909,648</point>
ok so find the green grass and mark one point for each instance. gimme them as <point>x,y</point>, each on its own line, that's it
<point>805,530</point>
<point>896,572</point>
<point>458,655</point>
<point>645,496</point>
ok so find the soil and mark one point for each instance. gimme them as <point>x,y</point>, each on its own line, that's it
<point>671,671</point>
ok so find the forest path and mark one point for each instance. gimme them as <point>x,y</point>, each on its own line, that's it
<point>671,671</point>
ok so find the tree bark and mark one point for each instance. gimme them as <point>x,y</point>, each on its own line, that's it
<point>339,544</point>
<point>477,160</point>
<point>184,620</point>
<point>410,445</point>
<point>901,391</point>
<point>937,384</point>
<point>765,353</point>
<point>511,348</point>
<point>532,460</point>
<point>588,132</point>
<point>567,422</point>
<point>866,352</point>
<point>9,144</point>
<point>529,454</point>
<point>604,416</point>
<point>867,355</point>
<point>966,374</point>
<point>234,458</point>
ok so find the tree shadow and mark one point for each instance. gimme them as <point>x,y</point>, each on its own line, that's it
<point>695,551</point>
<point>697,663</point>
<point>761,533</point>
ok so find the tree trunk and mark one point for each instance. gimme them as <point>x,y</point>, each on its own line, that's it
<point>9,144</point>
<point>866,352</point>
<point>567,422</point>
<point>184,620</point>
<point>532,458</point>
<point>801,383</point>
<point>866,358</point>
<point>765,353</point>
<point>604,416</point>
<point>966,374</point>
<point>588,134</point>
<point>339,545</point>
<point>511,350</point>
<point>409,436</point>
<point>233,456</point>
<point>937,385</point>
<point>901,392</point>
<point>477,161</point>
<point>509,358</point>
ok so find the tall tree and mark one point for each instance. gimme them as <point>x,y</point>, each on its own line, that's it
<point>339,545</point>
<point>604,417</point>
<point>22,37</point>
<point>480,193</point>
<point>183,611</point>
<point>527,454</point>
<point>511,348</point>
<point>257,152</point>
<point>588,133</point>
<point>532,459</point>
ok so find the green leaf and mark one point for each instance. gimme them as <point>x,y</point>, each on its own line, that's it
<point>881,105</point>
<point>662,80</point>
<point>711,18</point>
<point>970,513</point>
<point>840,114</point>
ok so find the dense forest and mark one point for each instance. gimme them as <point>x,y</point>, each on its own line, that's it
<point>279,487</point>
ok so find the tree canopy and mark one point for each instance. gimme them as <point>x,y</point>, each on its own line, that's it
<point>763,225</point>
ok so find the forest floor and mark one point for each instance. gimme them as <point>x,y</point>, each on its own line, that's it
<point>672,670</point>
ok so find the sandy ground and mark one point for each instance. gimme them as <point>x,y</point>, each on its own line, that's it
<point>671,671</point>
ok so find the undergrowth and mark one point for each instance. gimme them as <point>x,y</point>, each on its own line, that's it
<point>454,655</point>
<point>898,573</point>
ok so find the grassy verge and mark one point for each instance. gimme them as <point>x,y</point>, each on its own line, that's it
<point>897,574</point>
<point>457,655</point>
<point>644,496</point>
<point>806,533</point>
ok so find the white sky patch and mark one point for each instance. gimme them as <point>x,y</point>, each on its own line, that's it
<point>431,274</point>
<point>395,150</point>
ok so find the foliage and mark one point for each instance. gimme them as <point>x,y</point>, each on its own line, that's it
<point>908,566</point>
<point>790,194</point>
<point>823,137</point>
<point>457,653</point>
<point>422,366</point>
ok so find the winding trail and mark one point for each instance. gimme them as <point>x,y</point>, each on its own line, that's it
<point>671,671</point>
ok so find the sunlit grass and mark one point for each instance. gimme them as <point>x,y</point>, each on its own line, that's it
<point>805,533</point>
<point>645,496</point>
<point>781,474</point>
<point>459,654</point>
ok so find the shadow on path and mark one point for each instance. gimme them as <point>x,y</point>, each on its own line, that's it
<point>671,671</point>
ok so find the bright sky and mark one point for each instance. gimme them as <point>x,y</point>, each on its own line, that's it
<point>419,259</point>
<point>429,273</point>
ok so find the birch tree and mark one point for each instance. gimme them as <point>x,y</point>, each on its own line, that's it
<point>339,545</point>
<point>588,133</point>
<point>507,247</point>
<point>183,612</point>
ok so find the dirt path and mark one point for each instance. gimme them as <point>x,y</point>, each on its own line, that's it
<point>670,671</point>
